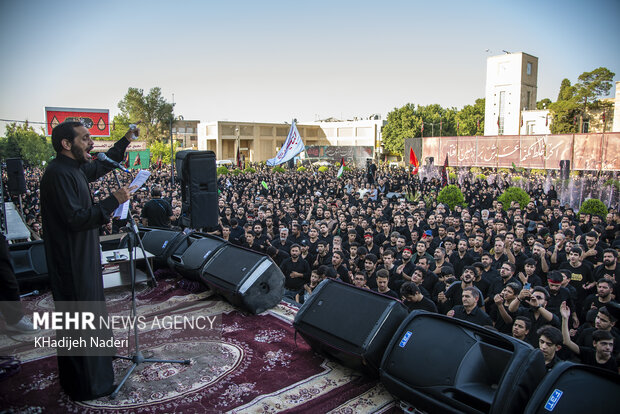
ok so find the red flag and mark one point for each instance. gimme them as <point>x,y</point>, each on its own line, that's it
<point>478,124</point>
<point>444,173</point>
<point>126,162</point>
<point>159,162</point>
<point>498,121</point>
<point>137,160</point>
<point>413,160</point>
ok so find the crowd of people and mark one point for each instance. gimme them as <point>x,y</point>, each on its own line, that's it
<point>541,272</point>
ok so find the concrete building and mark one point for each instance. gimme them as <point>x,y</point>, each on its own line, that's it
<point>261,141</point>
<point>257,141</point>
<point>536,122</point>
<point>185,133</point>
<point>511,87</point>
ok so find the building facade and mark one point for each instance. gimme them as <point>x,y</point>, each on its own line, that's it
<point>261,141</point>
<point>185,133</point>
<point>511,87</point>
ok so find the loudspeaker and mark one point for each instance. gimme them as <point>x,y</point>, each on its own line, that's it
<point>198,176</point>
<point>161,243</point>
<point>441,364</point>
<point>564,169</point>
<point>348,324</point>
<point>16,181</point>
<point>29,263</point>
<point>247,279</point>
<point>193,252</point>
<point>574,388</point>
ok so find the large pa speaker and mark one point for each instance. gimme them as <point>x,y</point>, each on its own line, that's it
<point>247,279</point>
<point>564,169</point>
<point>574,388</point>
<point>349,324</point>
<point>440,364</point>
<point>29,263</point>
<point>193,252</point>
<point>161,243</point>
<point>197,171</point>
<point>16,181</point>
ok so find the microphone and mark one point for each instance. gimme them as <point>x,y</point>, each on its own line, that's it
<point>104,158</point>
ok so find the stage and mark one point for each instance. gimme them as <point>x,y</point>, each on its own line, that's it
<point>241,364</point>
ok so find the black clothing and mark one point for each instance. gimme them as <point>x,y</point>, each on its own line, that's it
<point>425,304</point>
<point>390,292</point>
<point>10,305</point>
<point>301,266</point>
<point>588,357</point>
<point>477,316</point>
<point>71,224</point>
<point>157,212</point>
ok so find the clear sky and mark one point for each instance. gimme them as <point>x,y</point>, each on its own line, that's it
<point>273,61</point>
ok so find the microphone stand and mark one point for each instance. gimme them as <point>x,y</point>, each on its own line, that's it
<point>137,358</point>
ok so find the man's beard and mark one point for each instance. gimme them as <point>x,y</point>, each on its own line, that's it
<point>78,153</point>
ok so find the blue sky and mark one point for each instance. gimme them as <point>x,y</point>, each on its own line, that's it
<point>275,60</point>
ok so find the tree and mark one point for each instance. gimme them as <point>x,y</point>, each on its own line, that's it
<point>152,109</point>
<point>452,196</point>
<point>21,141</point>
<point>567,91</point>
<point>514,194</point>
<point>471,119</point>
<point>593,85</point>
<point>406,122</point>
<point>564,115</point>
<point>161,149</point>
<point>543,103</point>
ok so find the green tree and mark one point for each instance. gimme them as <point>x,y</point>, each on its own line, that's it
<point>593,85</point>
<point>593,206</point>
<point>564,114</point>
<point>161,149</point>
<point>471,119</point>
<point>567,91</point>
<point>21,141</point>
<point>119,127</point>
<point>152,109</point>
<point>514,194</point>
<point>543,103</point>
<point>452,196</point>
<point>406,122</point>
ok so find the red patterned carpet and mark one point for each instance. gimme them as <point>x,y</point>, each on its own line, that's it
<point>251,363</point>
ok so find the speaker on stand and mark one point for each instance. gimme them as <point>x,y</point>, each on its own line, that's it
<point>197,173</point>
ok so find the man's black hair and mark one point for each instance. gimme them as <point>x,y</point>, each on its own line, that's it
<point>64,130</point>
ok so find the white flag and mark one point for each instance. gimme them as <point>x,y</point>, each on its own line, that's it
<point>292,146</point>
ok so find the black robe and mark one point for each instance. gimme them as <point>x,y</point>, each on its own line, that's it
<point>71,224</point>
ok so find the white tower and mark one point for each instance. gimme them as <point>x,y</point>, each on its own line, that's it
<point>511,88</point>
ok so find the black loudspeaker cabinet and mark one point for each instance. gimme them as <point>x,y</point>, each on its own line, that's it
<point>193,252</point>
<point>440,364</point>
<point>198,174</point>
<point>160,243</point>
<point>574,389</point>
<point>16,181</point>
<point>247,279</point>
<point>29,263</point>
<point>348,324</point>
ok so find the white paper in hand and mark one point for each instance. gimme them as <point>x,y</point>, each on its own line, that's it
<point>122,210</point>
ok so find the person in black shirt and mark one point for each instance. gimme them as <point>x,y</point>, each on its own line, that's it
<point>521,327</point>
<point>603,342</point>
<point>157,212</point>
<point>296,272</point>
<point>469,310</point>
<point>414,300</point>
<point>383,278</point>
<point>338,269</point>
<point>549,343</point>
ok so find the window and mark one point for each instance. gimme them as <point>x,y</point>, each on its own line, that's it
<point>500,117</point>
<point>528,100</point>
<point>529,68</point>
